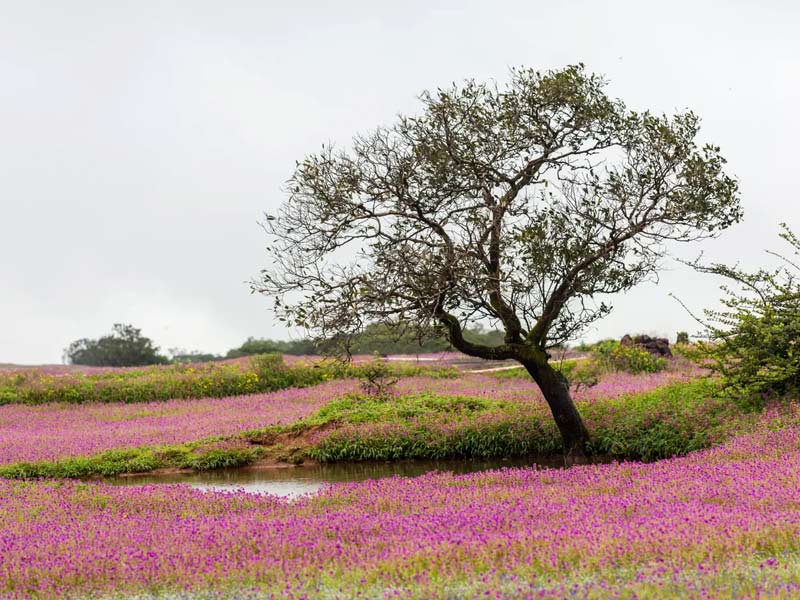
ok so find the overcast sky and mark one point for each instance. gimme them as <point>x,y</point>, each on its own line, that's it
<point>141,141</point>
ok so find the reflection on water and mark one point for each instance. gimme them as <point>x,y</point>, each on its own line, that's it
<point>294,481</point>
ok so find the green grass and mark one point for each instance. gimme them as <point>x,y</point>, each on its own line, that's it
<point>671,421</point>
<point>200,456</point>
<point>263,373</point>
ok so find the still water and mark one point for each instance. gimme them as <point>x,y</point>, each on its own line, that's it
<point>295,481</point>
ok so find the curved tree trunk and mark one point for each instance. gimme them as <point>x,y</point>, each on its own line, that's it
<point>555,388</point>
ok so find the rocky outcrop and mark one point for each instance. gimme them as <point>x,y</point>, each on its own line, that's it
<point>657,346</point>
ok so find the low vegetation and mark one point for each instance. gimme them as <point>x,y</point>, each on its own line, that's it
<point>672,421</point>
<point>752,342</point>
<point>198,456</point>
<point>723,523</point>
<point>660,423</point>
<point>263,373</point>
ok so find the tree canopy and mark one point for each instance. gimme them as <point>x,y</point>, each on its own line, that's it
<point>253,346</point>
<point>519,205</point>
<point>124,347</point>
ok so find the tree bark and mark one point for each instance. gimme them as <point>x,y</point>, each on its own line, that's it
<point>553,384</point>
<point>555,388</point>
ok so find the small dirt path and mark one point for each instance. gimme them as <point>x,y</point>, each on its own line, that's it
<point>508,368</point>
<point>493,369</point>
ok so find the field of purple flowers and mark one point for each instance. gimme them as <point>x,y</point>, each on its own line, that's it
<point>57,430</point>
<point>721,523</point>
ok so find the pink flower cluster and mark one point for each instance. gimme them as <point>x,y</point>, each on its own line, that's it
<point>34,371</point>
<point>720,523</point>
<point>611,385</point>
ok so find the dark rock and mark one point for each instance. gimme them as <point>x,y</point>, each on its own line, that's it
<point>657,346</point>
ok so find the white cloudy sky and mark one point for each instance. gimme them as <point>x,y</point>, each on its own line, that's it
<point>141,141</point>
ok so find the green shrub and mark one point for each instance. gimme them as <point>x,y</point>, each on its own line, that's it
<point>610,355</point>
<point>585,374</point>
<point>633,359</point>
<point>753,341</point>
<point>377,379</point>
<point>605,347</point>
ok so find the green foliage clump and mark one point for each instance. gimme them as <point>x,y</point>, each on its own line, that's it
<point>635,360</point>
<point>253,346</point>
<point>754,341</point>
<point>584,374</point>
<point>611,355</point>
<point>603,347</point>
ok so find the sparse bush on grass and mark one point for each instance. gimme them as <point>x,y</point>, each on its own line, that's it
<point>610,355</point>
<point>604,347</point>
<point>377,379</point>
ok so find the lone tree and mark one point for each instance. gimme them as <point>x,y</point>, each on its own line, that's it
<point>125,347</point>
<point>517,204</point>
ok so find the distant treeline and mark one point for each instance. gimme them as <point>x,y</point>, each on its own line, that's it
<point>375,338</point>
<point>126,346</point>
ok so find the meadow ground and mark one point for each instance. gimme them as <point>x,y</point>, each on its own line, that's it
<point>722,521</point>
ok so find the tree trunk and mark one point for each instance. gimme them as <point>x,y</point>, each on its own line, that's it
<point>555,388</point>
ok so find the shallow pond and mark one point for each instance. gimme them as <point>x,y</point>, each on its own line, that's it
<point>294,481</point>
